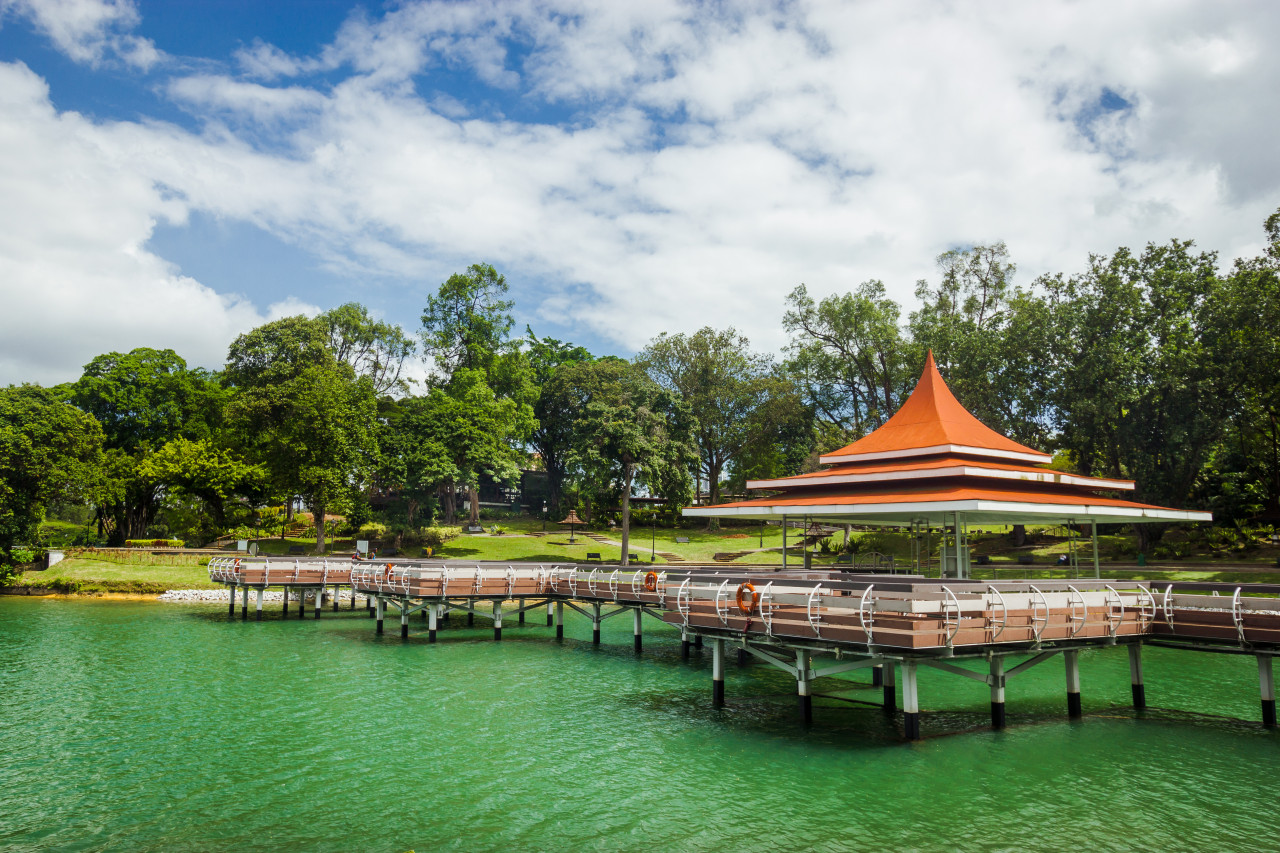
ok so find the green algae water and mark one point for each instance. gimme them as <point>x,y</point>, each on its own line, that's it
<point>147,726</point>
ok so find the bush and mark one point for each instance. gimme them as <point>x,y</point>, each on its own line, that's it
<point>435,537</point>
<point>153,543</point>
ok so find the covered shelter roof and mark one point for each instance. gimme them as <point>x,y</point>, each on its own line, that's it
<point>933,460</point>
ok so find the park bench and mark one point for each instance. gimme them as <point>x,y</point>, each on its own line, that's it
<point>682,540</point>
<point>983,559</point>
<point>593,555</point>
<point>1025,559</point>
<point>295,551</point>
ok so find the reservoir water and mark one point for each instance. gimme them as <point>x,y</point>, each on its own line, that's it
<point>146,726</point>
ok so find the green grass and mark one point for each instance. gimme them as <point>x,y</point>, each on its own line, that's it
<point>143,573</point>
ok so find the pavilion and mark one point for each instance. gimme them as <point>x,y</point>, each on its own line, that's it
<point>936,469</point>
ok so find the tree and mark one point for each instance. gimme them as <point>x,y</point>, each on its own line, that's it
<point>629,426</point>
<point>851,358</point>
<point>372,348</point>
<point>304,415</point>
<point>49,451</point>
<point>729,386</point>
<point>555,412</point>
<point>143,399</point>
<point>205,471</point>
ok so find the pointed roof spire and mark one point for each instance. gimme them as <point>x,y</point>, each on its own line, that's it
<point>933,421</point>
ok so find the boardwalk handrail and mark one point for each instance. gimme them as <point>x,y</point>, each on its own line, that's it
<point>1004,612</point>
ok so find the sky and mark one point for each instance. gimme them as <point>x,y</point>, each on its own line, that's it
<point>173,174</point>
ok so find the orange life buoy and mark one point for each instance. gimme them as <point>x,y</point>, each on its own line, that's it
<point>651,582</point>
<point>748,598</point>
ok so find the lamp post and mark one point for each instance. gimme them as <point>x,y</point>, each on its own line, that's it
<point>653,539</point>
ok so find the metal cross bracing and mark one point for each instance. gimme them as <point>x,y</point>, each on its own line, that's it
<point>891,623</point>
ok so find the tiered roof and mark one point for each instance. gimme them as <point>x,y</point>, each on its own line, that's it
<point>934,458</point>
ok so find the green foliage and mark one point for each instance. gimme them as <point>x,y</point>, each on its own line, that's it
<point>154,543</point>
<point>372,348</point>
<point>466,322</point>
<point>49,451</point>
<point>556,417</point>
<point>436,537</point>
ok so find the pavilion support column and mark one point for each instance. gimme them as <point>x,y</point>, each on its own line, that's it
<point>910,701</point>
<point>433,617</point>
<point>997,691</point>
<point>261,592</point>
<point>559,620</point>
<point>497,620</point>
<point>804,685</point>
<point>1135,676</point>
<point>1072,660</point>
<point>1267,684</point>
<point>784,543</point>
<point>717,673</point>
<point>380,609</point>
<point>1093,533</point>
<point>635,628</point>
<point>889,693</point>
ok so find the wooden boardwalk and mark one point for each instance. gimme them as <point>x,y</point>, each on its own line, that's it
<point>814,624</point>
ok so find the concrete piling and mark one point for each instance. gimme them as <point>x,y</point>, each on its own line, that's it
<point>1072,660</point>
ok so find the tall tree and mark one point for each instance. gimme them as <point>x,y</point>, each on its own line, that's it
<point>629,427</point>
<point>49,451</point>
<point>730,387</point>
<point>555,412</point>
<point>850,356</point>
<point>305,415</point>
<point>373,348</point>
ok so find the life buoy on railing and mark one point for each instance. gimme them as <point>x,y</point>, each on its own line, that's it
<point>748,598</point>
<point>651,582</point>
<point>236,568</point>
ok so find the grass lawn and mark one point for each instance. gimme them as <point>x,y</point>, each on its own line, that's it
<point>126,573</point>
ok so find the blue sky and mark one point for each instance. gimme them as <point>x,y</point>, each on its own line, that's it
<point>175,173</point>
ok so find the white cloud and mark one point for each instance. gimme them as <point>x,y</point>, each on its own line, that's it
<point>699,163</point>
<point>89,31</point>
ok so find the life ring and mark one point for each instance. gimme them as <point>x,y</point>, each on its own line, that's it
<point>651,582</point>
<point>747,603</point>
<point>236,569</point>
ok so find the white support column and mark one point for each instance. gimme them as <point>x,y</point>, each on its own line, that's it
<point>244,605</point>
<point>635,627</point>
<point>804,685</point>
<point>551,611</point>
<point>784,543</point>
<point>559,620</point>
<point>1072,660</point>
<point>595,623</point>
<point>1135,676</point>
<point>910,701</point>
<point>231,607</point>
<point>1097,569</point>
<point>684,644</point>
<point>379,609</point>
<point>997,691</point>
<point>258,618</point>
<point>433,622</point>
<point>319,602</point>
<point>497,620</point>
<point>1267,685</point>
<point>717,673</point>
<point>520,607</point>
<point>404,621</point>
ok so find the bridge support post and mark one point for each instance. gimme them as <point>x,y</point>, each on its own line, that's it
<point>635,627</point>
<point>380,608</point>
<point>1072,660</point>
<point>910,701</point>
<point>697,641</point>
<point>335,598</point>
<point>433,616</point>
<point>368,603</point>
<point>497,620</point>
<point>1135,676</point>
<point>261,592</point>
<point>520,605</point>
<point>284,594</point>
<point>889,692</point>
<point>997,691</point>
<point>231,608</point>
<point>684,645</point>
<point>302,604</point>
<point>559,620</point>
<point>877,676</point>
<point>1267,683</point>
<point>717,673</point>
<point>471,617</point>
<point>595,624</point>
<point>550,614</point>
<point>244,605</point>
<point>804,685</point>
<point>744,657</point>
<point>404,621</point>
<point>319,602</point>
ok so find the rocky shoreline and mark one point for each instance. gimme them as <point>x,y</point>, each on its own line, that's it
<point>220,596</point>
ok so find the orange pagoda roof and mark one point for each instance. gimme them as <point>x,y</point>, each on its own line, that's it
<point>932,460</point>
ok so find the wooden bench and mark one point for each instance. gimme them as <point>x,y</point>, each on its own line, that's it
<point>682,540</point>
<point>592,555</point>
<point>295,551</point>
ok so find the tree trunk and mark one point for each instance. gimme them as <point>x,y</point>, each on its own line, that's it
<point>626,513</point>
<point>473,497</point>
<point>713,491</point>
<point>288,511</point>
<point>317,515</point>
<point>449,503</point>
<point>412,506</point>
<point>1019,535</point>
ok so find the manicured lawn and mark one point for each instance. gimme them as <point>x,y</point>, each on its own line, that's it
<point>140,573</point>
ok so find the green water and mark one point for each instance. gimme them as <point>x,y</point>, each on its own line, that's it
<point>143,726</point>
